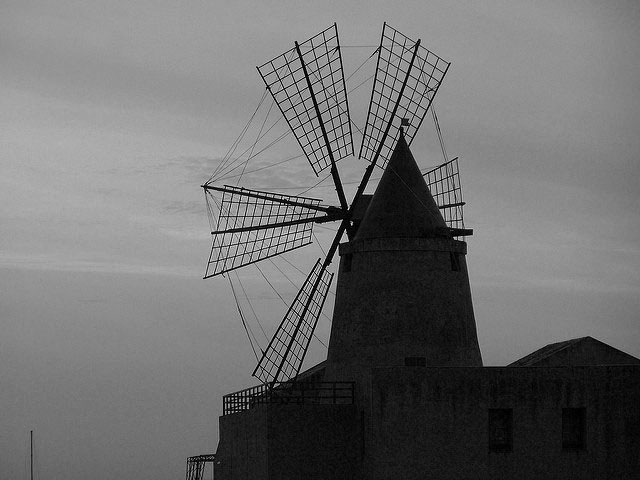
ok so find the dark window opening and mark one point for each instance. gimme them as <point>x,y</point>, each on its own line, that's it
<point>346,265</point>
<point>500,429</point>
<point>362,434</point>
<point>573,429</point>
<point>415,361</point>
<point>455,261</point>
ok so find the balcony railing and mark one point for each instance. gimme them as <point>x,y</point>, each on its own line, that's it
<point>336,393</point>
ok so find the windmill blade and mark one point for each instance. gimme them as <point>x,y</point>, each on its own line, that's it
<point>407,79</point>
<point>283,358</point>
<point>307,83</point>
<point>444,184</point>
<point>253,225</point>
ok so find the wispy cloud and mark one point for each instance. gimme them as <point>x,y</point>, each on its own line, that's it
<point>70,264</point>
<point>180,207</point>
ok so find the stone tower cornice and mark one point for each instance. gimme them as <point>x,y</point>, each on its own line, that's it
<point>403,244</point>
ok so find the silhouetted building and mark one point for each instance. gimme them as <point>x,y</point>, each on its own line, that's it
<point>403,393</point>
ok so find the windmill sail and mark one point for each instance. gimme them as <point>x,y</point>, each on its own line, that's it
<point>444,184</point>
<point>253,225</point>
<point>399,59</point>
<point>307,83</point>
<point>283,357</point>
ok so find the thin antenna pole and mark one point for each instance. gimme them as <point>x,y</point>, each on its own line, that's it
<point>31,435</point>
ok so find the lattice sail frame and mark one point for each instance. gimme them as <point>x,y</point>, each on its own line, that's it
<point>424,77</point>
<point>284,77</point>
<point>254,225</point>
<point>445,187</point>
<point>283,357</point>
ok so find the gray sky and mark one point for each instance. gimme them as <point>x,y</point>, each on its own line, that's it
<point>113,113</point>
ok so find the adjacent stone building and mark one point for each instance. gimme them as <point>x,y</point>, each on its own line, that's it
<point>403,393</point>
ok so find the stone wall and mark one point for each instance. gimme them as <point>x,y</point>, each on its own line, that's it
<point>401,298</point>
<point>283,442</point>
<point>433,423</point>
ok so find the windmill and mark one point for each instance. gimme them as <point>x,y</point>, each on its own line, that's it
<point>308,85</point>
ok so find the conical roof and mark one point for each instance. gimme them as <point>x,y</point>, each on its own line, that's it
<point>402,205</point>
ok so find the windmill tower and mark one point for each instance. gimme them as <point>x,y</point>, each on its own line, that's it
<point>403,293</point>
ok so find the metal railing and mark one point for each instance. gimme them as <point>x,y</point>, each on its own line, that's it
<point>336,393</point>
<point>196,464</point>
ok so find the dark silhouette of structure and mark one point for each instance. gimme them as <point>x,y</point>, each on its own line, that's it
<point>422,405</point>
<point>403,393</point>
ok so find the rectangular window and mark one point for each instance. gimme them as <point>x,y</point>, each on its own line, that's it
<point>455,261</point>
<point>500,429</point>
<point>573,428</point>
<point>346,266</point>
<point>415,361</point>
